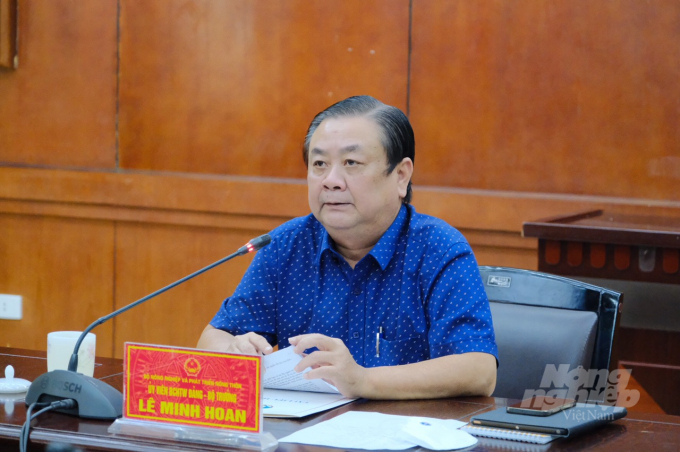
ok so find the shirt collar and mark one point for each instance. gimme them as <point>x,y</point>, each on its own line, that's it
<point>326,244</point>
<point>383,251</point>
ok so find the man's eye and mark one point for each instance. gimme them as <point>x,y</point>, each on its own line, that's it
<point>351,162</point>
<point>318,164</point>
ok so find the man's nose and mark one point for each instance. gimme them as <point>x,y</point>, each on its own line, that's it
<point>335,179</point>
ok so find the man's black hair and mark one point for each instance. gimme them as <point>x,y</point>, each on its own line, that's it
<point>397,133</point>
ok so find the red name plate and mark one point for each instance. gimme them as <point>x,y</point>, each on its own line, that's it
<point>192,387</point>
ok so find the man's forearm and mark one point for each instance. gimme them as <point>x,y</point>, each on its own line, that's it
<point>219,340</point>
<point>467,374</point>
<point>214,339</point>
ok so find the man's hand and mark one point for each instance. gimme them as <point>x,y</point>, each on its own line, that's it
<point>466,374</point>
<point>250,343</point>
<point>332,362</point>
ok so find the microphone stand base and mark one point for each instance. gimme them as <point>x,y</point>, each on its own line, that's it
<point>94,398</point>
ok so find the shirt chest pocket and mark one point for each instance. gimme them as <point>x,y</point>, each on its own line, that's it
<point>407,323</point>
<point>402,351</point>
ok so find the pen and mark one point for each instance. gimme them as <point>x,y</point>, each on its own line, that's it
<point>377,342</point>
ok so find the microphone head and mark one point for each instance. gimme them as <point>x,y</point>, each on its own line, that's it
<point>258,243</point>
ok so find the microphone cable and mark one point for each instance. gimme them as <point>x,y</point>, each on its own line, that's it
<point>26,428</point>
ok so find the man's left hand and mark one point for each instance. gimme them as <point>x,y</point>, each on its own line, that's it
<point>332,362</point>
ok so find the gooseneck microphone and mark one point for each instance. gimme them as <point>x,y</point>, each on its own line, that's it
<point>254,245</point>
<point>94,398</point>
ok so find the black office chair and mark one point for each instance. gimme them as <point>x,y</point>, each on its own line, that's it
<point>542,319</point>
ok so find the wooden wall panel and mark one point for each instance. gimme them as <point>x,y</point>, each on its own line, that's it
<point>229,87</point>
<point>264,197</point>
<point>212,201</point>
<point>63,269</point>
<point>506,249</point>
<point>557,96</point>
<point>149,257</point>
<point>59,107</point>
<point>505,257</point>
<point>8,34</point>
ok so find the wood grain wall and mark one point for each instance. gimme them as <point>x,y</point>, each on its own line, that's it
<point>568,96</point>
<point>142,140</point>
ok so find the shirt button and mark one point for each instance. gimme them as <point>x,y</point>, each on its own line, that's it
<point>357,291</point>
<point>355,335</point>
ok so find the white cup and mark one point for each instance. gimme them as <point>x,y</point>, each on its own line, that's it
<point>60,346</point>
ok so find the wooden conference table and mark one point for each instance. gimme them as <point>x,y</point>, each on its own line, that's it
<point>635,432</point>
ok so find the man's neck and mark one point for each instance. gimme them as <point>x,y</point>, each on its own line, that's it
<point>351,255</point>
<point>354,246</point>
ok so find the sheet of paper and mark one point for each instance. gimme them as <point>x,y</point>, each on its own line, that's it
<point>373,431</point>
<point>283,403</point>
<point>280,374</point>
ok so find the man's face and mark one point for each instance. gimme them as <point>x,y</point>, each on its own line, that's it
<point>349,188</point>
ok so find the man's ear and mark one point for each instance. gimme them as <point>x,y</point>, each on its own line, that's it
<point>404,172</point>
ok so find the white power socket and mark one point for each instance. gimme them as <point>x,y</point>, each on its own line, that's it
<point>10,307</point>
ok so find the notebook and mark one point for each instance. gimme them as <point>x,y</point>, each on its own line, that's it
<point>543,429</point>
<point>504,433</point>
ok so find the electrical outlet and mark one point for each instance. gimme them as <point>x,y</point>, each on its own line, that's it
<point>10,307</point>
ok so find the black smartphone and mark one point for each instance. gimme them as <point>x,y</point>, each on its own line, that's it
<point>540,406</point>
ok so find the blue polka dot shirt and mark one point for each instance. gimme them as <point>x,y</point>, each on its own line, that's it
<point>420,284</point>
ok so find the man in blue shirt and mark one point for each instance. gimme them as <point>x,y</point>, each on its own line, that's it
<point>392,299</point>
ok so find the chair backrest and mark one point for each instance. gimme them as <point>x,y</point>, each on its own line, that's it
<point>542,319</point>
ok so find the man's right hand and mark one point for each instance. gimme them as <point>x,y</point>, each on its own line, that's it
<point>219,340</point>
